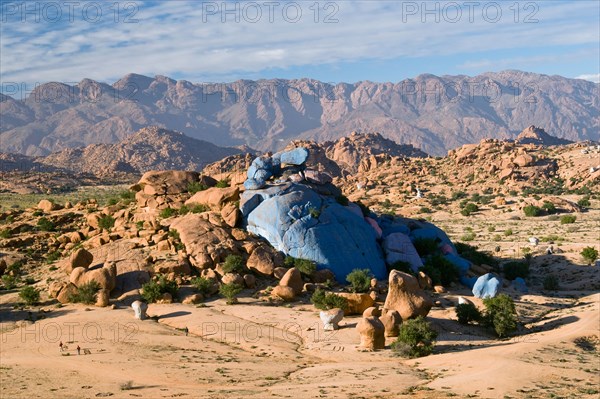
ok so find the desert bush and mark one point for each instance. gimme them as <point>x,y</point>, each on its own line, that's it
<point>532,211</point>
<point>15,268</point>
<point>549,207</point>
<point>469,236</point>
<point>551,283</point>
<point>222,184</point>
<point>473,254</point>
<point>515,269</point>
<point>86,293</point>
<point>106,222</point>
<point>491,229</point>
<point>469,208</point>
<point>154,290</point>
<point>416,338</point>
<point>230,292</point>
<point>52,257</point>
<point>359,279</point>
<point>233,264</point>
<point>324,300</point>
<point>202,285</point>
<point>45,224</point>
<point>467,313</point>
<point>426,246</point>
<point>589,254</point>
<point>167,213</point>
<point>568,219</point>
<point>305,266</point>
<point>508,232</point>
<point>440,270</point>
<point>584,202</point>
<point>29,295</point>
<point>9,282</point>
<point>500,314</point>
<point>127,196</point>
<point>195,186</point>
<point>5,233</point>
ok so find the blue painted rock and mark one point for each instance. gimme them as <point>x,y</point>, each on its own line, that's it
<point>487,286</point>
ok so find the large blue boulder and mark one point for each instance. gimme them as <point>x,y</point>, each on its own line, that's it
<point>487,286</point>
<point>399,248</point>
<point>303,224</point>
<point>430,231</point>
<point>461,264</point>
<point>297,156</point>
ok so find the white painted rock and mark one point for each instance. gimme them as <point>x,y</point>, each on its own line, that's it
<point>139,309</point>
<point>331,318</point>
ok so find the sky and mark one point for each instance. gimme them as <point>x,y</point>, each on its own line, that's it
<point>332,41</point>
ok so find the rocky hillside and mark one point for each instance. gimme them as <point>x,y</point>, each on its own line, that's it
<point>538,136</point>
<point>149,148</point>
<point>433,113</point>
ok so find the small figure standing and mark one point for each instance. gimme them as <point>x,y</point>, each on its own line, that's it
<point>78,350</point>
<point>60,346</point>
<point>419,193</point>
<point>186,331</point>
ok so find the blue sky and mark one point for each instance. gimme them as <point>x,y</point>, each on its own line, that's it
<point>332,41</point>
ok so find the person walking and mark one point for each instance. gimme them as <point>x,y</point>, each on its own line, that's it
<point>78,350</point>
<point>60,346</point>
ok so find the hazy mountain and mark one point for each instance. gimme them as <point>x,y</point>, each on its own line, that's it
<point>432,113</point>
<point>150,148</point>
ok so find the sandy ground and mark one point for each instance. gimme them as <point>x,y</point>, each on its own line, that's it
<point>254,350</point>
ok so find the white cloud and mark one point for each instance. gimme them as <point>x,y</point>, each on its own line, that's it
<point>591,77</point>
<point>175,37</point>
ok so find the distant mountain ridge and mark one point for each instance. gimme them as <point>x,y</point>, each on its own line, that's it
<point>151,148</point>
<point>432,113</point>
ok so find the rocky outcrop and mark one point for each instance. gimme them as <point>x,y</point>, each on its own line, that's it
<point>406,297</point>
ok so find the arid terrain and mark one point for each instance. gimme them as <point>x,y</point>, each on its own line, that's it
<point>196,345</point>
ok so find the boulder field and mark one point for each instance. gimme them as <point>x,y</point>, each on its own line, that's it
<point>300,213</point>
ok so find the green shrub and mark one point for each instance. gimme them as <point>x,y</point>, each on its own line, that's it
<point>9,282</point>
<point>469,208</point>
<point>549,207</point>
<point>154,290</point>
<point>508,232</point>
<point>584,202</point>
<point>470,236</point>
<point>474,255</point>
<point>416,338</point>
<point>113,201</point>
<point>551,283</point>
<point>515,269</point>
<point>426,246</point>
<point>314,213</point>
<point>305,266</point>
<point>5,233</point>
<point>37,213</point>
<point>86,293</point>
<point>230,292</point>
<point>491,229</point>
<point>500,314</point>
<point>45,224</point>
<point>401,266</point>
<point>532,211</point>
<point>568,219</point>
<point>199,208</point>
<point>324,300</point>
<point>424,209</point>
<point>202,285</point>
<point>233,264</point>
<point>106,222</point>
<point>29,295</point>
<point>195,186</point>
<point>589,254</point>
<point>440,270</point>
<point>127,196</point>
<point>467,313</point>
<point>222,184</point>
<point>53,257</point>
<point>359,279</point>
<point>15,268</point>
<point>167,213</point>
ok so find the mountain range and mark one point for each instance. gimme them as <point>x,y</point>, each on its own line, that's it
<point>432,113</point>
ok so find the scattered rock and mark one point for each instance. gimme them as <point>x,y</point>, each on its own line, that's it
<point>391,321</point>
<point>405,296</point>
<point>293,279</point>
<point>372,333</point>
<point>331,318</point>
<point>139,309</point>
<point>193,299</point>
<point>283,292</point>
<point>357,303</point>
<point>80,258</point>
<point>47,206</point>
